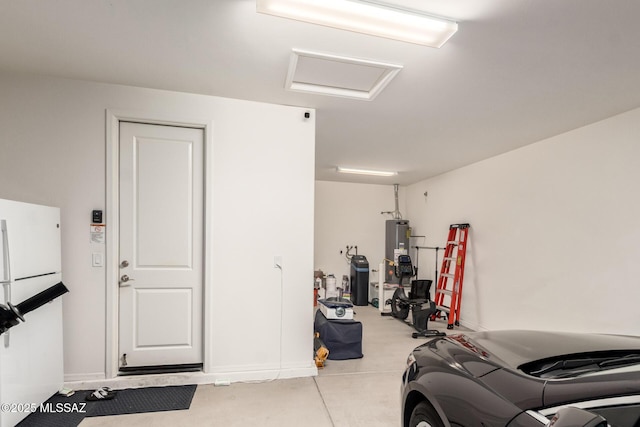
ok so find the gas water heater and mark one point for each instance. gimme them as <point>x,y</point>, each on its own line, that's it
<point>397,237</point>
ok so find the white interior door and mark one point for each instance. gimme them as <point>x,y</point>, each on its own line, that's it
<point>161,245</point>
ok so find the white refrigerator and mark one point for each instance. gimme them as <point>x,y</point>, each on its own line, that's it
<point>31,360</point>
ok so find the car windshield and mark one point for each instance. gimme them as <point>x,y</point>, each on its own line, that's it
<point>581,364</point>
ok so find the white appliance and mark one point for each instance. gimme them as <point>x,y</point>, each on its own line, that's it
<point>31,362</point>
<point>336,310</point>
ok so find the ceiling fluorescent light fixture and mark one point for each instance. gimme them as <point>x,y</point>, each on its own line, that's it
<point>365,172</point>
<point>366,16</point>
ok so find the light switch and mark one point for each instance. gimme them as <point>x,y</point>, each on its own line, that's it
<point>97,259</point>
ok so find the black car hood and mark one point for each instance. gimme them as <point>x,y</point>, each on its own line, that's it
<point>512,349</point>
<point>493,358</point>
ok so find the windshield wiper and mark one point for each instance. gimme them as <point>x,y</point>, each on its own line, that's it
<point>598,362</point>
<point>563,365</point>
<point>629,359</point>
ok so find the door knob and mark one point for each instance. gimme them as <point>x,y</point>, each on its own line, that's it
<point>124,264</point>
<point>124,279</point>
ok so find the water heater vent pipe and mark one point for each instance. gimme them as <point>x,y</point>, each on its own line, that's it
<point>396,213</point>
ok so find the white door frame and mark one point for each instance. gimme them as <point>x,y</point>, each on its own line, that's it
<point>113,119</point>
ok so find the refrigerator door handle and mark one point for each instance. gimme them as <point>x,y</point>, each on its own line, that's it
<point>7,294</point>
<point>6,280</point>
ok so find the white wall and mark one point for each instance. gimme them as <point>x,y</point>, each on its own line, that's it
<point>52,151</point>
<point>349,215</point>
<point>555,238</point>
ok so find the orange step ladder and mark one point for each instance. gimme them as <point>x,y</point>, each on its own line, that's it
<point>454,256</point>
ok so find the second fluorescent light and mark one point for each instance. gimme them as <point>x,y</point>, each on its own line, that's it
<point>365,172</point>
<point>365,16</point>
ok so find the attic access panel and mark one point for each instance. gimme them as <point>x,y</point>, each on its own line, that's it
<point>342,76</point>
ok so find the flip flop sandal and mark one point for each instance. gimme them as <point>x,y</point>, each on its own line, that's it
<point>100,395</point>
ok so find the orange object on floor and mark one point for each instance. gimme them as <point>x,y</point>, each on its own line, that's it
<point>456,250</point>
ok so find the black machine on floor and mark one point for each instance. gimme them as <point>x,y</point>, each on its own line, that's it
<point>418,301</point>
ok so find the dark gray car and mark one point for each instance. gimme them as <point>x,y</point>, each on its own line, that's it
<point>523,379</point>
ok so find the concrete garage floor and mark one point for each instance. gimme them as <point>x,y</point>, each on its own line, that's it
<point>349,393</point>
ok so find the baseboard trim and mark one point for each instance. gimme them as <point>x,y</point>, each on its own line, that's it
<point>72,378</point>
<point>89,382</point>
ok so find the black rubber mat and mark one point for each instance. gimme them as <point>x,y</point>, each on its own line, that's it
<point>63,411</point>
<point>149,399</point>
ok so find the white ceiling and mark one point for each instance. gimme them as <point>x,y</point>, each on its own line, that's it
<point>517,71</point>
